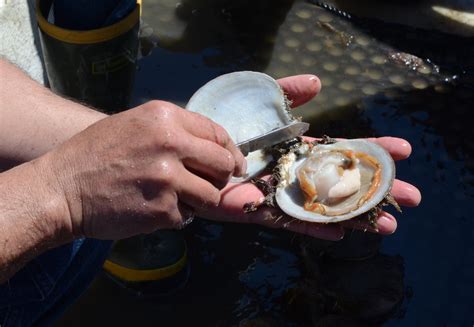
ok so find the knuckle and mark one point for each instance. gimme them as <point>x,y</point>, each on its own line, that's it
<point>165,208</point>
<point>174,219</point>
<point>153,106</point>
<point>165,182</point>
<point>164,174</point>
<point>163,211</point>
<point>168,140</point>
<point>177,222</point>
<point>154,103</point>
<point>161,110</point>
<point>212,199</point>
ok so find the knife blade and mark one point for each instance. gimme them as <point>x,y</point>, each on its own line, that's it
<point>273,137</point>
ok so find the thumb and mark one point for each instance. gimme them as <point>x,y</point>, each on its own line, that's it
<point>300,88</point>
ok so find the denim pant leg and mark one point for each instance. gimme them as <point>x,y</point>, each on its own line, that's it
<point>44,288</point>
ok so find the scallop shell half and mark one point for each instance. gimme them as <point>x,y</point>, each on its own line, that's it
<point>291,199</point>
<point>247,104</point>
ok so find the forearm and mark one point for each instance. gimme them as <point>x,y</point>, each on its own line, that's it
<point>33,218</point>
<point>33,120</point>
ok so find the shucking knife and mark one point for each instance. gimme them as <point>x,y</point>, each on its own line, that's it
<point>273,137</point>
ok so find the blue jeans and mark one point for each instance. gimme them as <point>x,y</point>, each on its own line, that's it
<point>43,289</point>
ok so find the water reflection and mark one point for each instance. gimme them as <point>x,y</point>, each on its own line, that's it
<point>281,39</point>
<point>342,284</point>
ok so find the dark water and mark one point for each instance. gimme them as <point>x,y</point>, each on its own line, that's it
<point>423,275</point>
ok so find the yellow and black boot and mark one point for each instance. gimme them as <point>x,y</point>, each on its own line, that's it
<point>90,50</point>
<point>94,63</point>
<point>150,265</point>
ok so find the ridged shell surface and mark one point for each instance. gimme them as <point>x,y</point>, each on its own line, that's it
<point>290,197</point>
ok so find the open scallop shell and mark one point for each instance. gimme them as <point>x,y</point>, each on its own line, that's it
<point>290,197</point>
<point>247,104</point>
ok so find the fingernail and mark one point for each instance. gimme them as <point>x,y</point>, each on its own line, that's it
<point>407,149</point>
<point>412,195</point>
<point>416,195</point>
<point>316,83</point>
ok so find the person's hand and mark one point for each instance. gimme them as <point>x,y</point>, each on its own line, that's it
<point>140,170</point>
<point>301,89</point>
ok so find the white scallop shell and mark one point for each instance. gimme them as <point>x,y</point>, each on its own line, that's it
<point>290,198</point>
<point>247,104</point>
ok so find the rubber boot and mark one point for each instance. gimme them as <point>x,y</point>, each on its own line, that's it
<point>150,265</point>
<point>91,57</point>
<point>95,66</point>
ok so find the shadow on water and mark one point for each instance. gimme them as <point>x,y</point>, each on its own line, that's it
<point>251,276</point>
<point>217,37</point>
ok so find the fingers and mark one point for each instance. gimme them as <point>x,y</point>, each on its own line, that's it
<point>235,195</point>
<point>196,192</point>
<point>208,160</point>
<point>300,88</point>
<point>233,198</point>
<point>178,217</point>
<point>398,148</point>
<point>204,128</point>
<point>273,218</point>
<point>386,224</point>
<point>164,211</point>
<point>405,194</point>
<point>330,232</point>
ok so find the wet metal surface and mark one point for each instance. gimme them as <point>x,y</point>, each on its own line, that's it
<point>250,276</point>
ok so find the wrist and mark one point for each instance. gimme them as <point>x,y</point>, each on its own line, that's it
<point>50,200</point>
<point>31,218</point>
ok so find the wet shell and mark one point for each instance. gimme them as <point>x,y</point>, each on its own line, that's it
<point>247,104</point>
<point>359,176</point>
